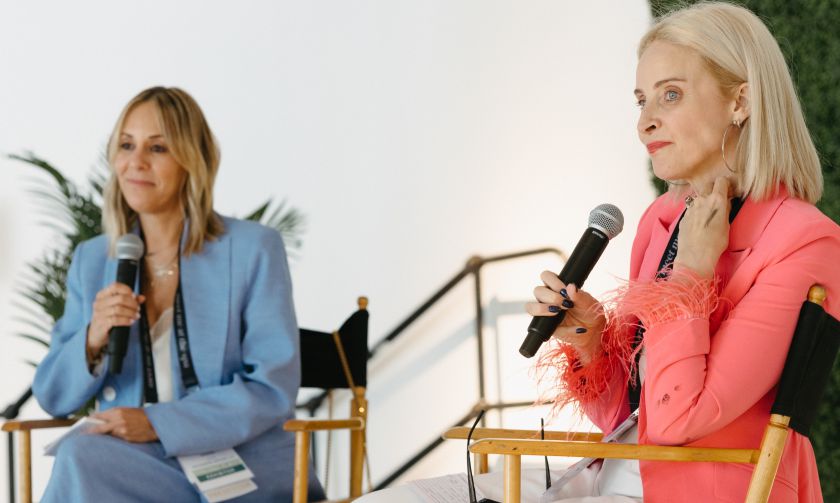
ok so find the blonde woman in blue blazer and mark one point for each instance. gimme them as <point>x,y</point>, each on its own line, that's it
<point>233,280</point>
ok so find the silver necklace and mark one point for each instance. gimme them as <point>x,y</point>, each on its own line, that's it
<point>165,271</point>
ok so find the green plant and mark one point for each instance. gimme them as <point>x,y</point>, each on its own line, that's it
<point>75,214</point>
<point>807,33</point>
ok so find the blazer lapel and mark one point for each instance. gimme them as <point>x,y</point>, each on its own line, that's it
<point>205,286</point>
<point>744,233</point>
<point>660,235</point>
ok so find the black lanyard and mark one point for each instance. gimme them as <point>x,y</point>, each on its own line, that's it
<point>666,263</point>
<point>182,345</point>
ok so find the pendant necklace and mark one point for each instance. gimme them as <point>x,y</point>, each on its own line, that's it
<point>165,271</point>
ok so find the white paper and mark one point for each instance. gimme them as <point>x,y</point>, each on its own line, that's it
<point>446,489</point>
<point>219,475</point>
<point>82,427</point>
<point>572,472</point>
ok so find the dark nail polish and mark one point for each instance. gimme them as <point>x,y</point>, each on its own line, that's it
<point>568,304</point>
<point>580,330</point>
<point>564,293</point>
<point>554,309</point>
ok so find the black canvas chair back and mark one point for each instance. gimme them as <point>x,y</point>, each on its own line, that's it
<point>808,366</point>
<point>321,363</point>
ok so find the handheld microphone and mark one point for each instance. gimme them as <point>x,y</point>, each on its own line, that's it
<point>605,223</point>
<point>129,250</point>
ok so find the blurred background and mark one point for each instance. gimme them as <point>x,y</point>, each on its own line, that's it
<point>410,136</point>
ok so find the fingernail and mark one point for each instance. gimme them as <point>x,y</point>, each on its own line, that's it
<point>564,293</point>
<point>580,330</point>
<point>568,304</point>
<point>554,309</point>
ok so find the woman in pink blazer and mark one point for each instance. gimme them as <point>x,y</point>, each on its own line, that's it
<point>721,121</point>
<point>719,269</point>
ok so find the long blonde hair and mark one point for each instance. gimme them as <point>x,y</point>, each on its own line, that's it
<point>194,148</point>
<point>774,146</point>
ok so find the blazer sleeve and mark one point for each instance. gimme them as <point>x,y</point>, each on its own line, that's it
<point>695,383</point>
<point>63,383</point>
<point>261,394</point>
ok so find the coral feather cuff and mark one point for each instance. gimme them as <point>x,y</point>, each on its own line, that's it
<point>681,295</point>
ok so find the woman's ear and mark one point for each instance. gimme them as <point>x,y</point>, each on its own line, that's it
<point>741,108</point>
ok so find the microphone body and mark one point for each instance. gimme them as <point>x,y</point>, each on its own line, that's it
<point>605,222</point>
<point>129,252</point>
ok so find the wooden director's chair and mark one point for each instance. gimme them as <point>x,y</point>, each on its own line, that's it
<point>804,378</point>
<point>325,365</point>
<point>334,361</point>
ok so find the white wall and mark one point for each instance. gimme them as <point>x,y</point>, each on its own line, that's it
<point>412,135</point>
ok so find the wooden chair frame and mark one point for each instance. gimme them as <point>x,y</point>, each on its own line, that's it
<point>513,444</point>
<point>304,428</point>
<point>24,434</point>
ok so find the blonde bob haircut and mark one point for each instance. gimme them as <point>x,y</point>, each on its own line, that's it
<point>774,147</point>
<point>194,148</point>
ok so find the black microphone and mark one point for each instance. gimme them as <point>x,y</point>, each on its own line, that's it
<point>605,222</point>
<point>129,250</point>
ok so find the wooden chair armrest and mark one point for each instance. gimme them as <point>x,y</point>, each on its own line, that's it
<point>323,424</point>
<point>613,450</point>
<point>37,424</point>
<point>461,432</point>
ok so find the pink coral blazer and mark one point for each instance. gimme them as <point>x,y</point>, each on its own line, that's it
<point>711,381</point>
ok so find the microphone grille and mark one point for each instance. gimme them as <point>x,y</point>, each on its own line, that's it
<point>608,219</point>
<point>130,246</point>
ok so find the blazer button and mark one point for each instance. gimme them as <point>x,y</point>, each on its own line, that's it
<point>109,393</point>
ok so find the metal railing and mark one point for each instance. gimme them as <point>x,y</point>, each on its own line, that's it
<point>472,268</point>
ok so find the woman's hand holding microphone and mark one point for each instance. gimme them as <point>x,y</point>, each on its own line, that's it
<point>584,319</point>
<point>114,306</point>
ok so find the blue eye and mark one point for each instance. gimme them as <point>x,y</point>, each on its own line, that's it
<point>672,95</point>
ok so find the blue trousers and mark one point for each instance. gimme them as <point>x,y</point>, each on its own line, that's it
<point>102,468</point>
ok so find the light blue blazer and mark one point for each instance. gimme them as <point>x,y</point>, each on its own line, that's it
<point>244,343</point>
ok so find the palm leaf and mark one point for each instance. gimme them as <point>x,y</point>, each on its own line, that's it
<point>30,158</point>
<point>257,214</point>
<point>74,216</point>
<point>32,323</point>
<point>36,339</point>
<point>288,221</point>
<point>29,309</point>
<point>50,195</point>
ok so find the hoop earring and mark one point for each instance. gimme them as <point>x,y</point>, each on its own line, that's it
<point>736,123</point>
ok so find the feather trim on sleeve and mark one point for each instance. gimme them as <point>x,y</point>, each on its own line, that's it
<point>559,373</point>
<point>563,380</point>
<point>681,295</point>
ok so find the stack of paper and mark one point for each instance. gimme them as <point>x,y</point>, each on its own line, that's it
<point>220,475</point>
